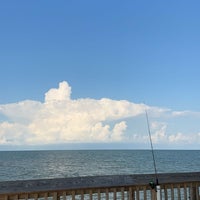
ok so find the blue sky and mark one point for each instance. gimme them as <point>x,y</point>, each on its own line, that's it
<point>143,52</point>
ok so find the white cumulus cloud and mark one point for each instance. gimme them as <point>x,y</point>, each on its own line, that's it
<point>63,93</point>
<point>61,119</point>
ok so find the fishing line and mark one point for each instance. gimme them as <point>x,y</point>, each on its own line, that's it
<point>152,184</point>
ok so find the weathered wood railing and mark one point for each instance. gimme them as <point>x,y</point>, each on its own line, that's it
<point>124,187</point>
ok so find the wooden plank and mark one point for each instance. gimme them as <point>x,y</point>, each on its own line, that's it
<point>75,183</point>
<point>82,195</point>
<point>172,192</point>
<point>166,192</point>
<point>193,192</point>
<point>126,184</point>
<point>122,193</point>
<point>64,196</point>
<point>179,192</point>
<point>107,194</point>
<point>90,192</point>
<point>145,193</point>
<point>55,196</point>
<point>185,192</point>
<point>114,194</point>
<point>137,193</point>
<point>73,195</point>
<point>99,194</point>
<point>130,193</point>
<point>3,197</point>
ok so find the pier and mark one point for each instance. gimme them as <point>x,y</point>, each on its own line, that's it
<point>173,186</point>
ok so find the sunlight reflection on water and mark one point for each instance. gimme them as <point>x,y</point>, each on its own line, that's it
<point>59,164</point>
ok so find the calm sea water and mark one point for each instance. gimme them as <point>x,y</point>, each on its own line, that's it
<point>21,165</point>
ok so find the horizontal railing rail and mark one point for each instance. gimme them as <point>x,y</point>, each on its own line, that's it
<point>126,187</point>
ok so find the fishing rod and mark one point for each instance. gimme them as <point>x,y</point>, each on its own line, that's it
<point>154,185</point>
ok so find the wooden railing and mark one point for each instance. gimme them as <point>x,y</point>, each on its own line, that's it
<point>173,186</point>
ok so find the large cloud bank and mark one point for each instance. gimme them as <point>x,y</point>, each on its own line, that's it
<point>60,119</point>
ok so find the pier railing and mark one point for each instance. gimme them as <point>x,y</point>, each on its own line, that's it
<point>173,186</point>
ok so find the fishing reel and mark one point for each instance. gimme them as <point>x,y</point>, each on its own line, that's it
<point>153,185</point>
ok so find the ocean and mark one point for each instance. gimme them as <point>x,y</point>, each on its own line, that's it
<point>26,165</point>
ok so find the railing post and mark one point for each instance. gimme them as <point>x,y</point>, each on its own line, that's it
<point>107,194</point>
<point>193,192</point>
<point>55,196</point>
<point>115,194</point>
<point>153,194</point>
<point>122,193</point>
<point>99,195</point>
<point>130,194</point>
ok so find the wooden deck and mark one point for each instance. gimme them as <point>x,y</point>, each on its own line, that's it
<point>173,186</point>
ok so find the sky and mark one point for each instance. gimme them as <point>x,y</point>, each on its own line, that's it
<point>82,74</point>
